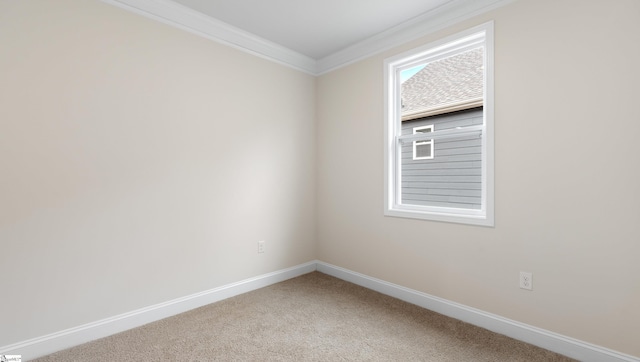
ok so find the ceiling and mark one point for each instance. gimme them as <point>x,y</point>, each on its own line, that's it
<point>313,36</point>
<point>315,28</point>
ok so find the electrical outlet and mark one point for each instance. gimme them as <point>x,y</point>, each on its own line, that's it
<point>261,246</point>
<point>526,280</point>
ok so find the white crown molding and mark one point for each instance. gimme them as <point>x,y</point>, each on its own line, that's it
<point>172,13</point>
<point>182,17</point>
<point>439,18</point>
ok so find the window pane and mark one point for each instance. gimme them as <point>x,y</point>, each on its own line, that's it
<point>453,177</point>
<point>423,149</point>
<point>452,80</point>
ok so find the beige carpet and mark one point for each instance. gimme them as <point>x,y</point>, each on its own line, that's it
<point>314,317</point>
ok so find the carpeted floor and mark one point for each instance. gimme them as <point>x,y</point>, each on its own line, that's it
<point>314,317</point>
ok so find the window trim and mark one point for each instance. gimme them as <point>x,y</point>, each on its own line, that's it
<point>422,143</point>
<point>482,34</point>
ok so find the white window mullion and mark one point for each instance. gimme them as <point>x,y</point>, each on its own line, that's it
<point>471,131</point>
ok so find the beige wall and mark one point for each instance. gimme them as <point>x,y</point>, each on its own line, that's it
<point>140,163</point>
<point>567,174</point>
<point>125,179</point>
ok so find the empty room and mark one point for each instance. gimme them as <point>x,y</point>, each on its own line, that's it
<point>441,180</point>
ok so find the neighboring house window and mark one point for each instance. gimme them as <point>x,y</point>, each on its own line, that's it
<point>423,150</point>
<point>439,130</point>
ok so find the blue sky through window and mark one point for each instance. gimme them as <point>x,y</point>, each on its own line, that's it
<point>406,74</point>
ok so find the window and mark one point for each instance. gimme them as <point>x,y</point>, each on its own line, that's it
<point>423,150</point>
<point>439,130</point>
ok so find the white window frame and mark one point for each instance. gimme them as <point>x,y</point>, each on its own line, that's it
<point>481,35</point>
<point>422,143</point>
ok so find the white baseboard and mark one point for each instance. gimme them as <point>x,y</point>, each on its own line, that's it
<point>539,337</point>
<point>40,346</point>
<point>567,346</point>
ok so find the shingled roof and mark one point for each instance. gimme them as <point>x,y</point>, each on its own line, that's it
<point>445,85</point>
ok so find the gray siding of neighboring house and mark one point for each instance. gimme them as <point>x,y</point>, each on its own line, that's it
<point>453,177</point>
